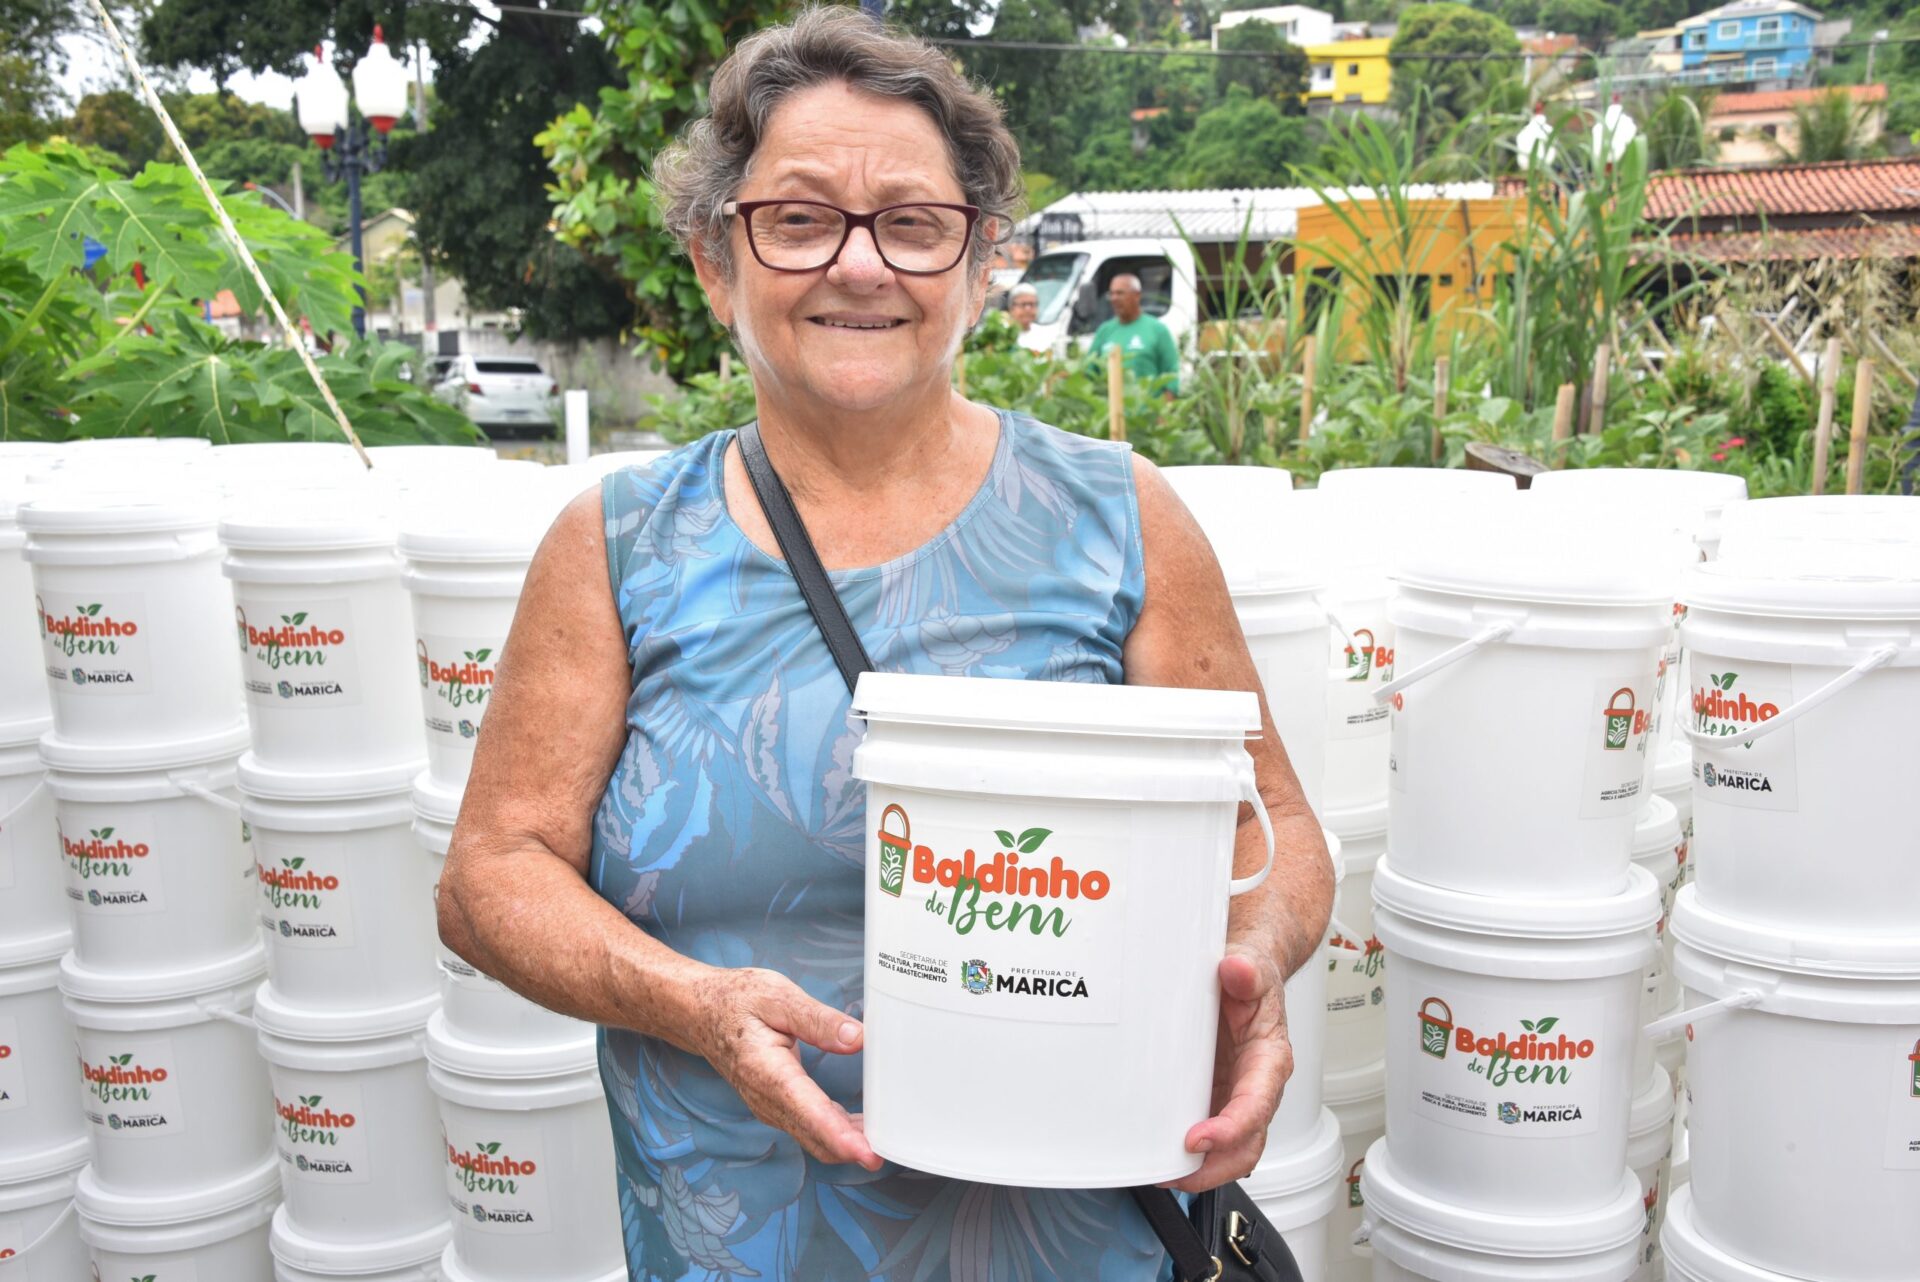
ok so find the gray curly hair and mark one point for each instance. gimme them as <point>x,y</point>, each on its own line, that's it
<point>703,169</point>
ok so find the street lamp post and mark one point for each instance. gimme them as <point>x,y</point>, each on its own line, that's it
<point>328,117</point>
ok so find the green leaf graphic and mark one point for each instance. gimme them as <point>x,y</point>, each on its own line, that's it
<point>122,1060</point>
<point>1527,1024</point>
<point>489,1149</point>
<point>1545,1026</point>
<point>1726,681</point>
<point>1005,838</point>
<point>310,1100</point>
<point>1030,839</point>
<point>90,610</point>
<point>300,618</point>
<point>295,862</point>
<point>480,656</point>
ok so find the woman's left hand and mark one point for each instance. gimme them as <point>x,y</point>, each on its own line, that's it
<point>1252,1062</point>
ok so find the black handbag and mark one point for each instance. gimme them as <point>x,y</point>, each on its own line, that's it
<point>1221,1236</point>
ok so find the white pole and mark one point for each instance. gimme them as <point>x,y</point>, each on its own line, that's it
<point>577,445</point>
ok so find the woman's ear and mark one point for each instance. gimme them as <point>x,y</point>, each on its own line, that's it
<point>981,281</point>
<point>714,280</point>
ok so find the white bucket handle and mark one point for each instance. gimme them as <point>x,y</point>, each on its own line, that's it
<point>1345,931</point>
<point>24,802</point>
<point>1250,793</point>
<point>1346,634</point>
<point>206,794</point>
<point>39,1240</point>
<point>1879,658</point>
<point>226,1014</point>
<point>1496,632</point>
<point>1662,1029</point>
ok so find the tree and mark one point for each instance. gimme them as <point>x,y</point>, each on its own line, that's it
<point>119,122</point>
<point>1280,77</point>
<point>1831,127</point>
<point>1676,130</point>
<point>1243,142</point>
<point>1475,53</point>
<point>1594,21</point>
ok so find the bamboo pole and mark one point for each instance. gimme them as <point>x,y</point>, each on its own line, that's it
<point>1602,370</point>
<point>1310,359</point>
<point>726,365</point>
<point>1862,419</point>
<point>1780,340</point>
<point>1893,362</point>
<point>1562,424</point>
<point>1116,396</point>
<point>1442,383</point>
<point>1823,426</point>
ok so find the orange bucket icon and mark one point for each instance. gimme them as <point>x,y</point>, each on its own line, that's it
<point>1914,1059</point>
<point>1353,1184</point>
<point>893,851</point>
<point>1619,720</point>
<point>420,655</point>
<point>1360,655</point>
<point>1435,1028</point>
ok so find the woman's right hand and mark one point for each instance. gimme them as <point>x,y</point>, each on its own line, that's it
<point>750,1028</point>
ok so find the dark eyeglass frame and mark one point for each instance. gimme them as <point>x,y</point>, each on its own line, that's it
<point>743,209</point>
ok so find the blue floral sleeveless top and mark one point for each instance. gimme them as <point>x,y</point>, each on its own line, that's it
<point>733,831</point>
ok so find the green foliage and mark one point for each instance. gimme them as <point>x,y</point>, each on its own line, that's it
<point>1243,142</point>
<point>1281,77</point>
<point>1454,88</point>
<point>1675,127</point>
<point>1831,127</point>
<point>96,353</point>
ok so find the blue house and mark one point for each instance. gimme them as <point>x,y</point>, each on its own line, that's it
<point>1749,43</point>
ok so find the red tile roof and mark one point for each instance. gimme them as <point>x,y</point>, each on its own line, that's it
<point>1895,240</point>
<point>1742,104</point>
<point>1836,188</point>
<point>1550,45</point>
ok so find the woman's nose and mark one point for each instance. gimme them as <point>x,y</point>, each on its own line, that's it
<point>859,264</point>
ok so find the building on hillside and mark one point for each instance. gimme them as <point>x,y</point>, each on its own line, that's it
<point>1787,213</point>
<point>1761,128</point>
<point>388,234</point>
<point>1762,44</point>
<point>1349,73</point>
<point>1298,23</point>
<point>1549,59</point>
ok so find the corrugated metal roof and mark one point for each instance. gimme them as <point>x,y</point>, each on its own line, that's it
<point>1215,214</point>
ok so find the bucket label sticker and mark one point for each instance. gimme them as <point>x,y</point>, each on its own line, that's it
<point>1015,922</point>
<point>1903,1112</point>
<point>321,1138</point>
<point>1501,1068</point>
<point>96,643</point>
<point>299,657</point>
<point>131,1086</point>
<point>303,897</point>
<point>497,1179</point>
<point>13,1067</point>
<point>1356,979</point>
<point>1650,1207</point>
<point>456,683</point>
<point>1617,732</point>
<point>13,1237</point>
<point>114,870</point>
<point>1727,697</point>
<point>1360,667</point>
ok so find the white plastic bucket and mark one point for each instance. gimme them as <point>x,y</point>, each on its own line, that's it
<point>477,1007</point>
<point>324,635</point>
<point>1804,1094</point>
<point>1358,1102</point>
<point>430,458</point>
<point>1512,1028</point>
<point>39,1094</point>
<point>152,855</point>
<point>1298,1189</point>
<point>173,1088</point>
<point>355,1128</point>
<point>1419,1236</point>
<point>452,1270</point>
<point>1794,680</point>
<point>1690,1257</point>
<point>299,1258</point>
<point>33,913</point>
<point>618,460</point>
<point>528,1159</point>
<point>1526,657</point>
<point>1356,968</point>
<point>1770,530</point>
<point>23,691</point>
<point>464,574</point>
<point>1305,998</point>
<point>135,620</point>
<point>39,1236</point>
<point>1085,793</point>
<point>1649,1150</point>
<point>345,898</point>
<point>217,1235</point>
<point>1659,848</point>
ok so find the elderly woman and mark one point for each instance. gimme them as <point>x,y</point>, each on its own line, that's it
<point>662,834</point>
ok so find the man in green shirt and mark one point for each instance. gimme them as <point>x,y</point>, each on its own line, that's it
<point>1145,343</point>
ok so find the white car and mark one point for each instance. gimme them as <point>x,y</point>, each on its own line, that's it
<point>503,395</point>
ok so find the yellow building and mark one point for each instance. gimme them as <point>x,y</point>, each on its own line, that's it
<point>1349,72</point>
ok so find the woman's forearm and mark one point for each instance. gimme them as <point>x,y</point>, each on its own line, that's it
<point>1290,910</point>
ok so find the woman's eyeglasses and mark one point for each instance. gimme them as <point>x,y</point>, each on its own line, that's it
<point>806,235</point>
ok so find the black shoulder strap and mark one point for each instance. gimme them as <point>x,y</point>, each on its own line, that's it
<point>790,532</point>
<point>1191,1260</point>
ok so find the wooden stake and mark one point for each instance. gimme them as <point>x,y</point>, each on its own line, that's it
<point>726,366</point>
<point>1823,426</point>
<point>1893,362</point>
<point>1562,425</point>
<point>1862,419</point>
<point>1442,377</point>
<point>1116,393</point>
<point>1786,348</point>
<point>1602,368</point>
<point>1309,364</point>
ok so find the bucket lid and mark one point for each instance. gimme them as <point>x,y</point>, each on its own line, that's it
<point>242,969</point>
<point>37,1164</point>
<point>1857,586</point>
<point>66,754</point>
<point>1393,484</point>
<point>434,801</point>
<point>17,734</point>
<point>267,783</point>
<point>496,515</point>
<point>74,503</point>
<point>123,1209</point>
<point>1361,821</point>
<point>418,456</point>
<point>1520,550</point>
<point>1247,514</point>
<point>1634,908</point>
<point>313,521</point>
<point>1311,1163</point>
<point>602,464</point>
<point>1656,829</point>
<point>1057,706</point>
<point>1691,1258</point>
<point>1678,498</point>
<point>278,1017</point>
<point>355,1259</point>
<point>1353,1086</point>
<point>1652,1108</point>
<point>1536,1237</point>
<point>1848,956</point>
<point>455,1054</point>
<point>36,949</point>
